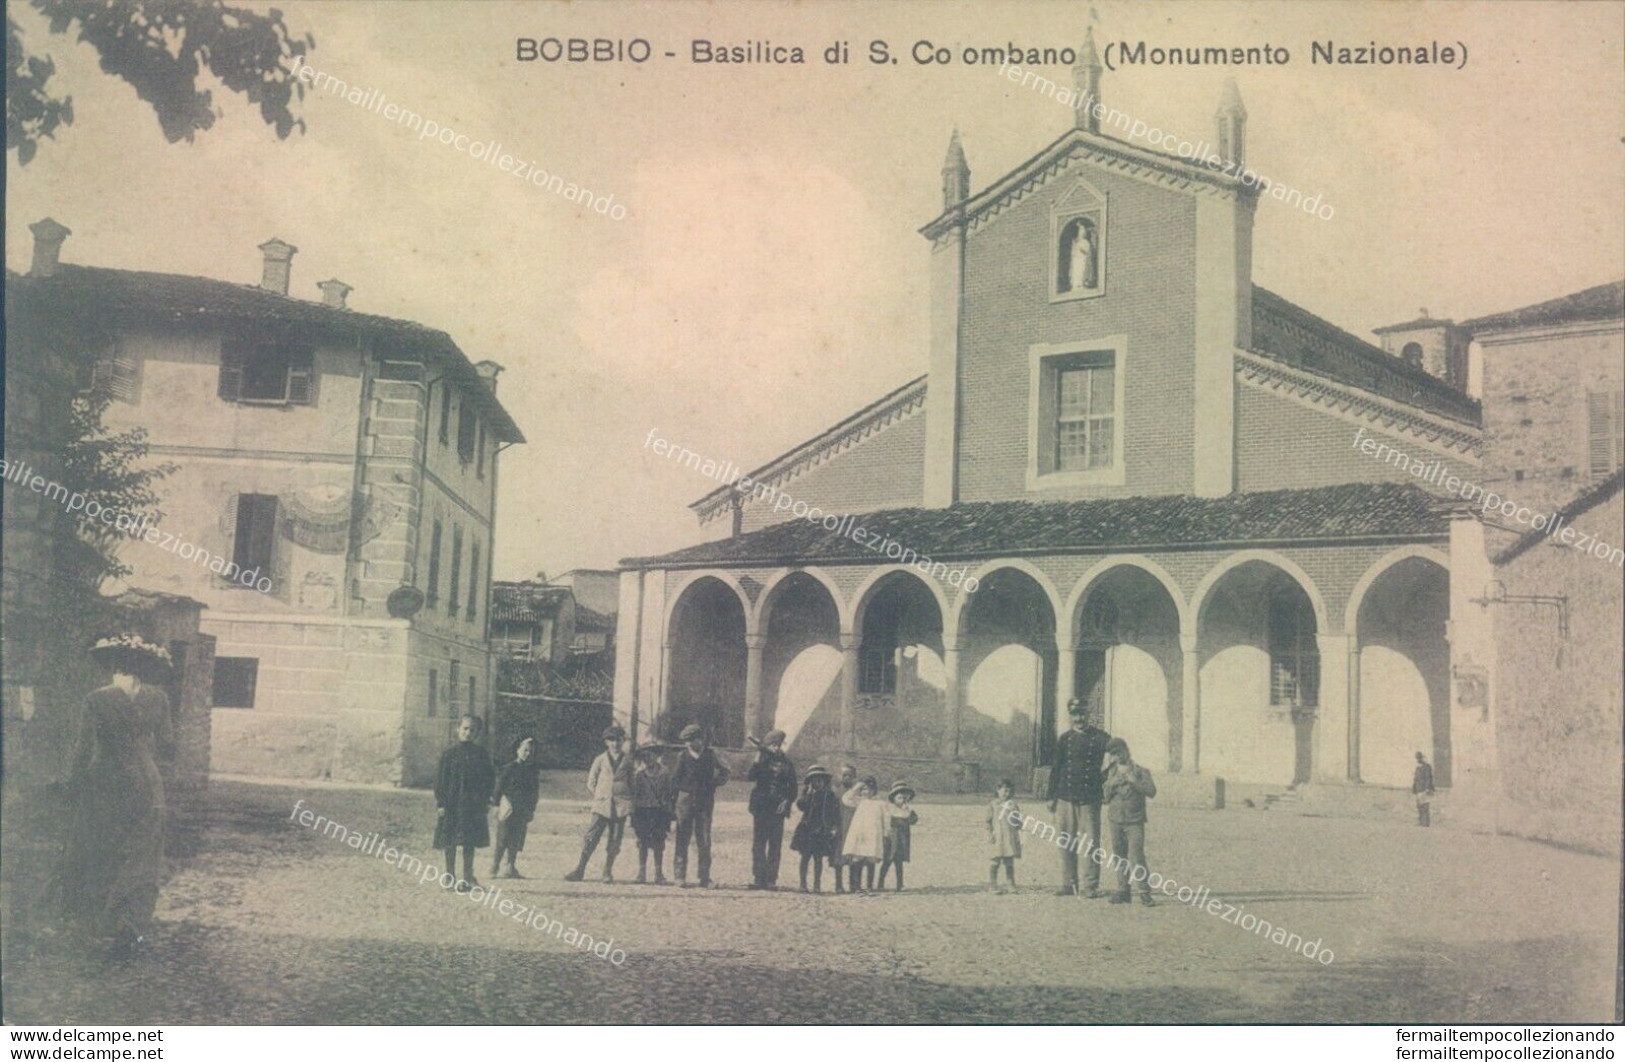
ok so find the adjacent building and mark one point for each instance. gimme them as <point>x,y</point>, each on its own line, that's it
<point>1538,596</point>
<point>332,507</point>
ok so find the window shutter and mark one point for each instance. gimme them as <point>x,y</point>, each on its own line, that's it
<point>1599,434</point>
<point>233,353</point>
<point>1619,430</point>
<point>302,377</point>
<point>474,583</point>
<point>122,374</point>
<point>101,377</point>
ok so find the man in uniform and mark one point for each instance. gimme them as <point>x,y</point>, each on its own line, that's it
<point>1075,783</point>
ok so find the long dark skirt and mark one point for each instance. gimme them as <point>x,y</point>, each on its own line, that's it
<point>464,827</point>
<point>114,860</point>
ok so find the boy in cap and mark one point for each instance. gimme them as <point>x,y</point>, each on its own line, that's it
<point>1126,788</point>
<point>609,780</point>
<point>770,800</point>
<point>651,809</point>
<point>698,776</point>
<point>1075,794</point>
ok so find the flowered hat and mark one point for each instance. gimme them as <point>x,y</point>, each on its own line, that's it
<point>817,770</point>
<point>900,787</point>
<point>132,654</point>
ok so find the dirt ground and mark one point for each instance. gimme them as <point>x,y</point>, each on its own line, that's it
<point>265,921</point>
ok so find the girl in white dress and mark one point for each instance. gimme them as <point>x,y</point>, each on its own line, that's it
<point>865,843</point>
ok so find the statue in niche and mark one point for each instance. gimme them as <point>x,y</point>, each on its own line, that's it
<point>1079,256</point>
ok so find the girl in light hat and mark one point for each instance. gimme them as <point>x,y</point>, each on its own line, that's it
<point>900,816</point>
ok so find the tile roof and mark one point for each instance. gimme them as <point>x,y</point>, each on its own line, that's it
<point>1586,501</point>
<point>1601,303</point>
<point>526,602</point>
<point>128,293</point>
<point>1421,322</point>
<point>1286,332</point>
<point>1349,511</point>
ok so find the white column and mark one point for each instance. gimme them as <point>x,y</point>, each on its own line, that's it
<point>850,644</point>
<point>1354,708</point>
<point>1190,695</point>
<point>951,698</point>
<point>1332,724</point>
<point>1066,679</point>
<point>755,724</point>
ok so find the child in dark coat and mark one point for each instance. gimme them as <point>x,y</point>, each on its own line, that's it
<point>462,795</point>
<point>651,809</point>
<point>817,835</point>
<point>518,788</point>
<point>900,817</point>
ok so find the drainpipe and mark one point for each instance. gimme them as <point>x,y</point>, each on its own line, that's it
<point>637,658</point>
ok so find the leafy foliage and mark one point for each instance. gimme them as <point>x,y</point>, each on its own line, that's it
<point>160,48</point>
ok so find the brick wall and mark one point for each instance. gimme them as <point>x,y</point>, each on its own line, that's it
<point>1150,296</point>
<point>1323,448</point>
<point>883,471</point>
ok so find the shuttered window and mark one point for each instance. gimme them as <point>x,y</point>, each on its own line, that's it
<point>115,373</point>
<point>1605,432</point>
<point>479,456</point>
<point>473,582</point>
<point>433,594</point>
<point>445,413</point>
<point>466,425</point>
<point>456,569</point>
<point>254,547</point>
<point>268,372</point>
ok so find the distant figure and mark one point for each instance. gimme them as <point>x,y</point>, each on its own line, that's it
<point>1422,789</point>
<point>818,833</point>
<point>698,776</point>
<point>1003,836</point>
<point>462,797</point>
<point>901,820</point>
<point>609,780</point>
<point>518,788</point>
<point>770,801</point>
<point>113,862</point>
<point>1126,789</point>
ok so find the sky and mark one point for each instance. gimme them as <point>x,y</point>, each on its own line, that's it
<point>769,278</point>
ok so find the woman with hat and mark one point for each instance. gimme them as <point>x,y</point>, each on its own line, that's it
<point>817,834</point>
<point>900,817</point>
<point>114,858</point>
<point>770,800</point>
